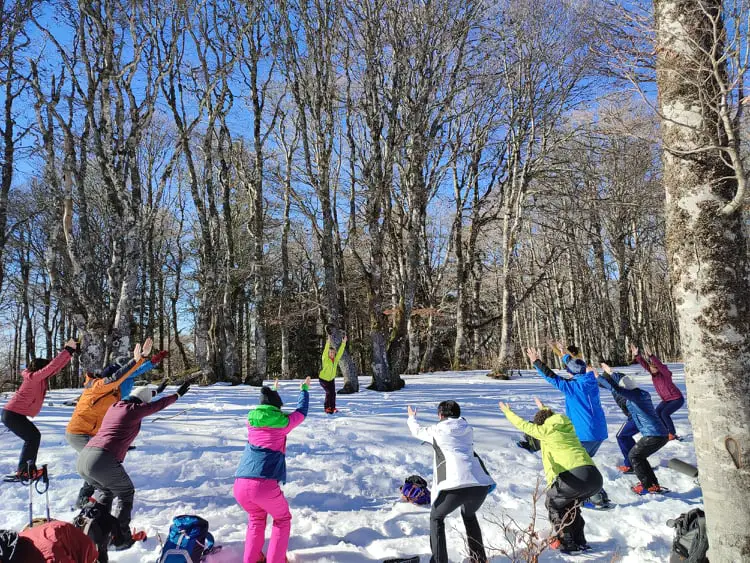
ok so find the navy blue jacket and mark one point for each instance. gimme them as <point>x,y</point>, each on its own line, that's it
<point>641,409</point>
<point>582,404</point>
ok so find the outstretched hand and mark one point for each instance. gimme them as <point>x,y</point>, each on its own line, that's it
<point>411,411</point>
<point>533,354</point>
<point>634,349</point>
<point>137,352</point>
<point>503,406</point>
<point>345,339</point>
<point>147,345</point>
<point>182,389</point>
<point>276,384</point>
<point>596,373</point>
<point>539,403</point>
<point>162,387</point>
<point>72,344</point>
<point>305,382</point>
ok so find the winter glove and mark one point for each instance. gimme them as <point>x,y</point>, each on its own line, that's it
<point>183,388</point>
<point>162,386</point>
<point>159,356</point>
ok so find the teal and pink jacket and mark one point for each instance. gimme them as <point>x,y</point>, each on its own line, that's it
<point>28,400</point>
<point>267,429</point>
<point>665,387</point>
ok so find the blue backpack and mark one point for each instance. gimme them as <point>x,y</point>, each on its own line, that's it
<point>189,540</point>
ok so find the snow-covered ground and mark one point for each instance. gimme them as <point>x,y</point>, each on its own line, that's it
<point>344,471</point>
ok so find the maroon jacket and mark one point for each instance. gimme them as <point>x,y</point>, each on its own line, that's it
<point>662,379</point>
<point>122,423</point>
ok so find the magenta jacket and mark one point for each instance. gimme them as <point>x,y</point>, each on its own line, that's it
<point>663,383</point>
<point>122,423</point>
<point>29,398</point>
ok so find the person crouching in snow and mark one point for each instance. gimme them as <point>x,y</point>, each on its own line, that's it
<point>654,434</point>
<point>51,542</point>
<point>459,479</point>
<point>101,391</point>
<point>262,468</point>
<point>571,474</point>
<point>100,461</point>
<point>671,396</point>
<point>326,378</point>
<point>28,401</point>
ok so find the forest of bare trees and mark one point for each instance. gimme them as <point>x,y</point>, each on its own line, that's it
<point>444,182</point>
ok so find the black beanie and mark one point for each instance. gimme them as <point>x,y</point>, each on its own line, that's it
<point>270,397</point>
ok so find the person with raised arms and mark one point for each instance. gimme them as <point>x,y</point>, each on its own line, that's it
<point>27,402</point>
<point>671,396</point>
<point>652,429</point>
<point>459,478</point>
<point>101,391</point>
<point>570,472</point>
<point>100,463</point>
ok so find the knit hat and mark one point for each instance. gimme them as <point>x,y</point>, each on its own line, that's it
<point>575,366</point>
<point>270,397</point>
<point>627,382</point>
<point>145,393</point>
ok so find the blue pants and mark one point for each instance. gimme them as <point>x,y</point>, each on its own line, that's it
<point>625,440</point>
<point>666,409</point>
<point>591,446</point>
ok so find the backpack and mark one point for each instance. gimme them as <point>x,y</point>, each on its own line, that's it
<point>98,524</point>
<point>690,541</point>
<point>189,540</point>
<point>415,491</point>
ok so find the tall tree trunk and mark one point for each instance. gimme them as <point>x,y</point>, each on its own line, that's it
<point>708,253</point>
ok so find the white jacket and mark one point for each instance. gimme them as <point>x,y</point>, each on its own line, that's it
<point>455,465</point>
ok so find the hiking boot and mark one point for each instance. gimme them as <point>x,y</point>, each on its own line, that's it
<point>625,469</point>
<point>674,437</point>
<point>329,411</point>
<point>655,490</point>
<point>565,546</point>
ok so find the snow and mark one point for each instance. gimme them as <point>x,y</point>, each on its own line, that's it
<point>344,472</point>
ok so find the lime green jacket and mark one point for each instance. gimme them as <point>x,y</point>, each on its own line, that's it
<point>328,372</point>
<point>561,448</point>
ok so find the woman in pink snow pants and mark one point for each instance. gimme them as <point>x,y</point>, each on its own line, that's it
<point>262,468</point>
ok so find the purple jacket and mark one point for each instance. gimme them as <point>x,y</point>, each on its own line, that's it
<point>122,423</point>
<point>662,379</point>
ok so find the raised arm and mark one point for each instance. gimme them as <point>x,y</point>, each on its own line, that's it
<point>58,362</point>
<point>663,370</point>
<point>424,433</point>
<point>147,409</point>
<point>533,430</point>
<point>303,403</point>
<point>325,351</point>
<point>340,351</point>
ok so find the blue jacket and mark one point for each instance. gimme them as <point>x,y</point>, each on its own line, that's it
<point>265,452</point>
<point>641,409</point>
<point>127,386</point>
<point>582,404</point>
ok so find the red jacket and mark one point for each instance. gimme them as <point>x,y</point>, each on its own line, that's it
<point>29,398</point>
<point>122,423</point>
<point>55,542</point>
<point>662,379</point>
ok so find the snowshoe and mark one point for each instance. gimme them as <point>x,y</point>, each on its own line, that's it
<point>602,506</point>
<point>26,475</point>
<point>414,559</point>
<point>639,489</point>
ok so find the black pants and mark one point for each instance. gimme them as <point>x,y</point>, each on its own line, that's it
<point>468,500</point>
<point>330,388</point>
<point>24,429</point>
<point>639,458</point>
<point>564,499</point>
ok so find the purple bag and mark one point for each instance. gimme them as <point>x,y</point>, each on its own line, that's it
<point>415,491</point>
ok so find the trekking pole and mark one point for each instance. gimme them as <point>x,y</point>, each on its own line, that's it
<point>45,481</point>
<point>31,491</point>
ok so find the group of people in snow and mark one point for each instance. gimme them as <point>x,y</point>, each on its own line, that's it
<point>104,424</point>
<point>568,442</point>
<point>108,416</point>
